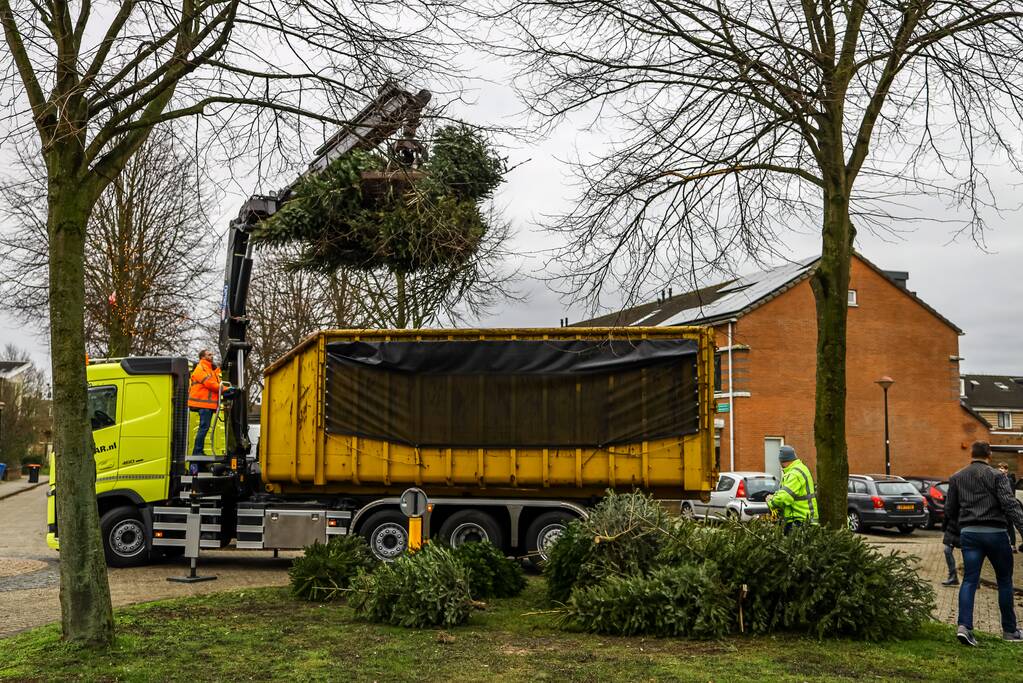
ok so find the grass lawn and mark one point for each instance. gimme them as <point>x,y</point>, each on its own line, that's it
<point>266,635</point>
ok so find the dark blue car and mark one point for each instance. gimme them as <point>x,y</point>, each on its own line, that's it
<point>885,501</point>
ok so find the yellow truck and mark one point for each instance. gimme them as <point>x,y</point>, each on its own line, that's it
<point>510,432</point>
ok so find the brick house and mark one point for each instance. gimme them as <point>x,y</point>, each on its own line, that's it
<point>999,399</point>
<point>766,335</point>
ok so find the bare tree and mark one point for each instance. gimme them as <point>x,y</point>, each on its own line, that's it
<point>738,120</point>
<point>25,419</point>
<point>286,306</point>
<point>90,83</point>
<point>149,252</point>
<point>444,295</point>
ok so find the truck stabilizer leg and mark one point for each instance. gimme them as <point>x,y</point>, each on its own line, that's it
<point>193,531</point>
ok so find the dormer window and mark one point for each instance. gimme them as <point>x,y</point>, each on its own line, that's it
<point>1002,386</point>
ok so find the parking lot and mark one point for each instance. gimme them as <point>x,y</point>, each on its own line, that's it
<point>29,573</point>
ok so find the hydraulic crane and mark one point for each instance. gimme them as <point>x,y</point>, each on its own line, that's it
<point>392,109</point>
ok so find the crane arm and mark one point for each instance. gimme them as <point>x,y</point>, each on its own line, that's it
<point>392,109</point>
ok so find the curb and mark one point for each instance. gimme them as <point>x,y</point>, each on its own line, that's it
<point>27,488</point>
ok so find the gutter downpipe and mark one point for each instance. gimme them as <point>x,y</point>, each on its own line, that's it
<point>731,404</point>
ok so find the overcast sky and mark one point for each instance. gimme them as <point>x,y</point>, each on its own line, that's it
<point>980,290</point>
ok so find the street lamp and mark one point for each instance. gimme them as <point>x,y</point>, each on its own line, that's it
<point>2,405</point>
<point>886,382</point>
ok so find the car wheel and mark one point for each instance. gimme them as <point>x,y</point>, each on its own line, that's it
<point>732,515</point>
<point>386,533</point>
<point>543,533</point>
<point>687,511</point>
<point>930,524</point>
<point>468,526</point>
<point>906,529</point>
<point>124,537</point>
<point>855,523</point>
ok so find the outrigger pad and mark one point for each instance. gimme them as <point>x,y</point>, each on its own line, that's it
<point>190,579</point>
<point>513,394</point>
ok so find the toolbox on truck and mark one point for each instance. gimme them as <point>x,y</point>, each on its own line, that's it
<point>473,412</point>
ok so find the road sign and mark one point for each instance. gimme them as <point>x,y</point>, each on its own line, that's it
<point>723,407</point>
<point>413,502</point>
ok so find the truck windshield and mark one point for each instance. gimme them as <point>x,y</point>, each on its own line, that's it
<point>756,485</point>
<point>896,488</point>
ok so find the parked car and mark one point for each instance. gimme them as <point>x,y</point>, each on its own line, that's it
<point>739,496</point>
<point>885,501</point>
<point>929,489</point>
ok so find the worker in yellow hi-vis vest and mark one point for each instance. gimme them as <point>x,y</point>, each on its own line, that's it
<point>796,499</point>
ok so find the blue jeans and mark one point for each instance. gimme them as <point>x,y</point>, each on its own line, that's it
<point>205,417</point>
<point>950,560</point>
<point>995,547</point>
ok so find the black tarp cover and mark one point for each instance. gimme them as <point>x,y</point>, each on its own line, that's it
<point>513,394</point>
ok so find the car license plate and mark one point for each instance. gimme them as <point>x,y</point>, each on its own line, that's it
<point>906,507</point>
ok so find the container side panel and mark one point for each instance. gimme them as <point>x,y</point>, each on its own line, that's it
<point>294,425</point>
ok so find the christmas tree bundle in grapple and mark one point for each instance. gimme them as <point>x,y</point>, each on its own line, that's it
<point>365,211</point>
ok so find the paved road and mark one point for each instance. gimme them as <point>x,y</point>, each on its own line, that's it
<point>28,569</point>
<point>927,546</point>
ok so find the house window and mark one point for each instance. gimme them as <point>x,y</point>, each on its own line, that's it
<point>1004,420</point>
<point>852,297</point>
<point>717,373</point>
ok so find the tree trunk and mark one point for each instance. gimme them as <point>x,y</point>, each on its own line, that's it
<point>830,285</point>
<point>86,614</point>
<point>120,341</point>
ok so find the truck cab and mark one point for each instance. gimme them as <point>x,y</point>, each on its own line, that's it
<point>138,408</point>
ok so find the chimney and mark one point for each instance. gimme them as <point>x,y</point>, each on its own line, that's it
<point>899,277</point>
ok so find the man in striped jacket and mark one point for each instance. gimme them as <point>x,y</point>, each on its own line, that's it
<point>980,507</point>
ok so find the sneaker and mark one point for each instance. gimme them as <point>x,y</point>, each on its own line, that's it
<point>951,581</point>
<point>965,636</point>
<point>1013,636</point>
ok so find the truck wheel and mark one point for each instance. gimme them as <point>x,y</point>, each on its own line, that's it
<point>386,532</point>
<point>124,537</point>
<point>468,526</point>
<point>543,533</point>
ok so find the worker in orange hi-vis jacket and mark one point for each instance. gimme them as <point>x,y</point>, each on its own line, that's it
<point>203,395</point>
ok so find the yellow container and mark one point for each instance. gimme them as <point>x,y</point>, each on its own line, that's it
<point>298,455</point>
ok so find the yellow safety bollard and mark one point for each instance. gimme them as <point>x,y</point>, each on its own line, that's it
<point>415,533</point>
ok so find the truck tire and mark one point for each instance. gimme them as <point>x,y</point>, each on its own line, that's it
<point>544,533</point>
<point>386,532</point>
<point>467,526</point>
<point>125,541</point>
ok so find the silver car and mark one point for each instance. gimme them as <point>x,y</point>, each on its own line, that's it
<point>738,495</point>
